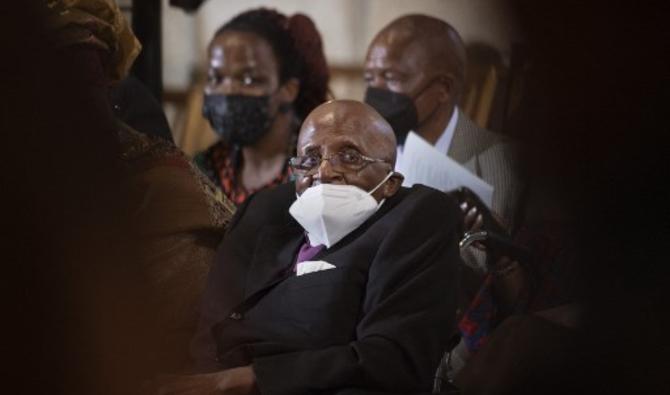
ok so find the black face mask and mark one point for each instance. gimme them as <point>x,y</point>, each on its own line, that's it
<point>397,108</point>
<point>239,119</point>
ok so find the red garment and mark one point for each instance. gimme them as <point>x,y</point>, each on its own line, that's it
<point>222,164</point>
<point>553,283</point>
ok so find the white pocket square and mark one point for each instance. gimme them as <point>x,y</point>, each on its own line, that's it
<point>312,266</point>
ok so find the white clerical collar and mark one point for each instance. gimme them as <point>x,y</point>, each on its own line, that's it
<point>444,141</point>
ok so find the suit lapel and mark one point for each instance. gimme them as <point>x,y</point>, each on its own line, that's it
<point>459,150</point>
<point>275,252</point>
<point>278,246</point>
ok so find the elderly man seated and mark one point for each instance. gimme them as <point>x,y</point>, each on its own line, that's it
<point>343,280</point>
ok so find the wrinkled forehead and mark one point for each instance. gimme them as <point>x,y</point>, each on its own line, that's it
<point>332,132</point>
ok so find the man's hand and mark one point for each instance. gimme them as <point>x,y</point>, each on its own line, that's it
<point>476,216</point>
<point>236,381</point>
<point>473,219</point>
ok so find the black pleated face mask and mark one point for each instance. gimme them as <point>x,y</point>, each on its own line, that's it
<point>397,108</point>
<point>239,119</point>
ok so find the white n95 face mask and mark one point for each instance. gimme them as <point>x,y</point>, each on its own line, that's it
<point>329,212</point>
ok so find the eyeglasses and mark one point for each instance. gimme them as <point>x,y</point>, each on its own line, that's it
<point>348,160</point>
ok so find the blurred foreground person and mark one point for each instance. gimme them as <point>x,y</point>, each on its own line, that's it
<point>170,217</point>
<point>75,312</point>
<point>176,215</point>
<point>341,280</point>
<point>598,86</point>
<point>267,71</point>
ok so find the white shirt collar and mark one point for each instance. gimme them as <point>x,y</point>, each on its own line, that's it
<point>444,141</point>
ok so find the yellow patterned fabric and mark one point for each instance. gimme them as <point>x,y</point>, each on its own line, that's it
<point>179,220</point>
<point>98,23</point>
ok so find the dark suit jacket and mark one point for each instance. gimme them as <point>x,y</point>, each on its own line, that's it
<point>378,321</point>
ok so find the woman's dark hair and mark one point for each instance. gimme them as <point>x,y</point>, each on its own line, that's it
<point>297,45</point>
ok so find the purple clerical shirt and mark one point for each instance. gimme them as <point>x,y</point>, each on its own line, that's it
<point>307,252</point>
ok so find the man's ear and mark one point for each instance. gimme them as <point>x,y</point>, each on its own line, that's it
<point>288,92</point>
<point>447,83</point>
<point>393,184</point>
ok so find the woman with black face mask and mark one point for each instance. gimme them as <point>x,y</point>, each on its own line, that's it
<point>266,72</point>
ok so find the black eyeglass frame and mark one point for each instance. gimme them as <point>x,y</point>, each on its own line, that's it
<point>304,171</point>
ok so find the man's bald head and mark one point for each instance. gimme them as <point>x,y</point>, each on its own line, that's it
<point>342,129</point>
<point>355,119</point>
<point>436,41</point>
<point>420,45</point>
<point>420,60</point>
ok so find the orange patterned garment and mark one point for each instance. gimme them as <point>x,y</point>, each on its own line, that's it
<point>222,164</point>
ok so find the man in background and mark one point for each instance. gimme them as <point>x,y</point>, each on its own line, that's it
<point>415,72</point>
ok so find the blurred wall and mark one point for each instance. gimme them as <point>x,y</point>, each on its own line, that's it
<point>347,26</point>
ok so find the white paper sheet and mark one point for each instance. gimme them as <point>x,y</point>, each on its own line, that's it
<point>421,163</point>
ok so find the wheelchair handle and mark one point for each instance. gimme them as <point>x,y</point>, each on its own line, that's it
<point>471,237</point>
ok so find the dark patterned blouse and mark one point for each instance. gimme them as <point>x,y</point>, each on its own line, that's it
<point>222,164</point>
